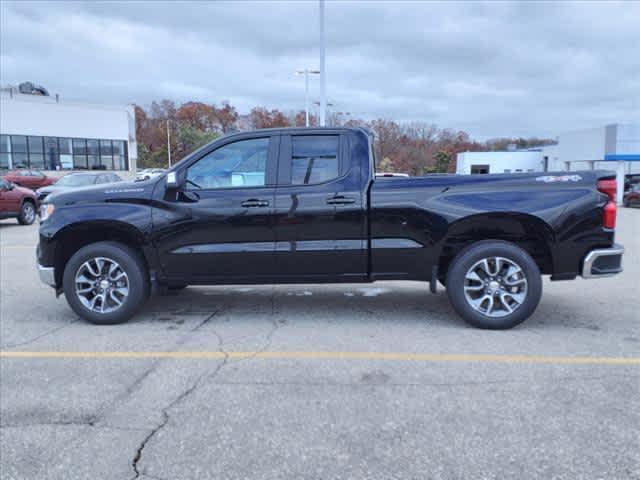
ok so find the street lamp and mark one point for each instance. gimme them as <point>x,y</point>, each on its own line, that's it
<point>306,73</point>
<point>323,69</point>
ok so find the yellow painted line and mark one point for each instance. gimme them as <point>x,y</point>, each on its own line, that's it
<point>303,355</point>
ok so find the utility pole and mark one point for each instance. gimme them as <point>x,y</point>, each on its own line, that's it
<point>168,143</point>
<point>323,71</point>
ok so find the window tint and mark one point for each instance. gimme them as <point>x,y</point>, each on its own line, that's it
<point>314,159</point>
<point>238,164</point>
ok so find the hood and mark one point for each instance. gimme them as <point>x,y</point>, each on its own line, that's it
<point>50,189</point>
<point>23,190</point>
<point>104,192</point>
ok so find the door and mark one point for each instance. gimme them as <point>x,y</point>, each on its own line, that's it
<point>319,217</point>
<point>219,228</point>
<point>9,199</point>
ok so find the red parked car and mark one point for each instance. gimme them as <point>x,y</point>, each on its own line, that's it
<point>30,178</point>
<point>632,197</point>
<point>17,202</point>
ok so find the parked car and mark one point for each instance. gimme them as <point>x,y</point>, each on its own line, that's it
<point>32,179</point>
<point>304,205</point>
<point>148,173</point>
<point>76,180</point>
<point>632,197</point>
<point>17,202</point>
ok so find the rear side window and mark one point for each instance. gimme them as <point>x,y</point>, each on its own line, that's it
<point>314,159</point>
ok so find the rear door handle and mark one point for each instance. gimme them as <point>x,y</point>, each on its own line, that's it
<point>340,200</point>
<point>254,202</point>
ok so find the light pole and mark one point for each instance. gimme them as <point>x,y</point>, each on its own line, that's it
<point>327,104</point>
<point>323,70</point>
<point>306,73</point>
<point>168,143</point>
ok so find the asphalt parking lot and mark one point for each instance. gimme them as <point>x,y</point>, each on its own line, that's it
<point>319,382</point>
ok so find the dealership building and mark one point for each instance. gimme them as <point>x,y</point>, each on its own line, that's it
<point>42,132</point>
<point>613,147</point>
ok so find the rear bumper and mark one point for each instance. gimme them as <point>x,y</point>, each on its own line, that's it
<point>603,262</point>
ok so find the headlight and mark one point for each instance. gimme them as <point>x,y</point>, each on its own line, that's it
<point>46,210</point>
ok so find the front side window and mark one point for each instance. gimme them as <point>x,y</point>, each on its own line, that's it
<point>314,159</point>
<point>237,164</point>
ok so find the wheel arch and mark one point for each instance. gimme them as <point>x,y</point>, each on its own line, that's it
<point>73,237</point>
<point>530,233</point>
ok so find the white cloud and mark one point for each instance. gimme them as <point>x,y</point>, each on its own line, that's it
<point>491,68</point>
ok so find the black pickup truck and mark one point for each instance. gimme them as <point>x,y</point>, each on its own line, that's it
<point>305,206</point>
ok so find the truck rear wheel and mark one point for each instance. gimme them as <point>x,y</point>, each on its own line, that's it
<point>105,283</point>
<point>494,285</point>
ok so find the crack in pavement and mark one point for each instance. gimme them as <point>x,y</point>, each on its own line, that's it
<point>71,424</point>
<point>165,411</point>
<point>38,337</point>
<point>269,336</point>
<point>201,381</point>
<point>132,388</point>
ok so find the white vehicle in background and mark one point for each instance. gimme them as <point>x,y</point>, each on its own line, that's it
<point>148,173</point>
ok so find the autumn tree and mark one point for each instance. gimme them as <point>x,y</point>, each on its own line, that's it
<point>227,117</point>
<point>260,117</point>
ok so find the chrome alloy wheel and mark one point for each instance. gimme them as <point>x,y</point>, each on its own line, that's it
<point>495,286</point>
<point>102,285</point>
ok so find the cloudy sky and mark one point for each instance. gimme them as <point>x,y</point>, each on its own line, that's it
<point>492,69</point>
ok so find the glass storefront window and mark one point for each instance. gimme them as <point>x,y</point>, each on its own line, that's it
<point>54,153</point>
<point>5,152</point>
<point>20,160</point>
<point>35,145</point>
<point>36,160</point>
<point>106,154</point>
<point>79,146</point>
<point>92,150</point>
<point>92,147</point>
<point>120,150</point>
<point>66,149</point>
<point>5,144</point>
<point>52,160</point>
<point>80,153</point>
<point>65,146</point>
<point>5,160</point>
<point>18,144</point>
<point>80,162</point>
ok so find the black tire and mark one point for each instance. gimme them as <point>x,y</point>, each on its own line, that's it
<point>27,213</point>
<point>130,262</point>
<point>467,258</point>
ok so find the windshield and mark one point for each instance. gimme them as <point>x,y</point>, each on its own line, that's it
<point>76,180</point>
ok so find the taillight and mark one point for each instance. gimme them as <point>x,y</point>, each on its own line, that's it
<point>610,188</point>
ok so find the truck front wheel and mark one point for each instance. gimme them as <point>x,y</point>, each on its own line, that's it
<point>105,282</point>
<point>494,284</point>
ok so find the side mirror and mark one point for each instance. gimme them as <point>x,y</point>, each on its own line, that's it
<point>173,181</point>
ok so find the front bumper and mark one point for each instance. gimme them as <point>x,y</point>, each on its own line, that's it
<point>603,262</point>
<point>47,275</point>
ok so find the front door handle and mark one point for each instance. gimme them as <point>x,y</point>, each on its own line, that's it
<point>340,200</point>
<point>254,202</point>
